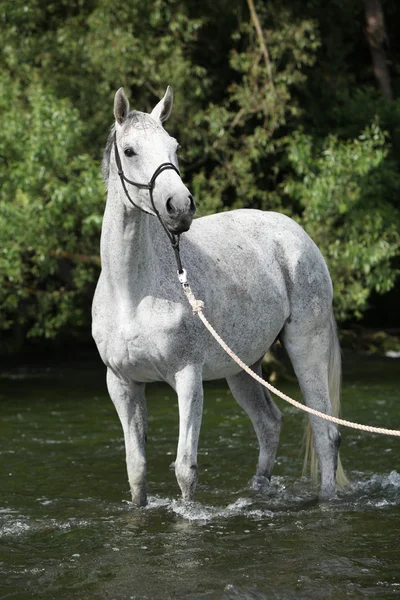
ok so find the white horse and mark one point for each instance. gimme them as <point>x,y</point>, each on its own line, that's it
<point>260,276</point>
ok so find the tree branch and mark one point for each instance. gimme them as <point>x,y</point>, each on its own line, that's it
<point>261,40</point>
<point>376,36</point>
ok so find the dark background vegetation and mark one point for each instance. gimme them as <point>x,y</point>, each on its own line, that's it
<point>287,105</point>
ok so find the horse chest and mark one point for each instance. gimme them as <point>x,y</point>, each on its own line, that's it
<point>139,347</point>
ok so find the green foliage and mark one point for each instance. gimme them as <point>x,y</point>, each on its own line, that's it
<point>295,131</point>
<point>51,199</point>
<point>371,342</point>
<point>244,137</point>
<point>345,190</point>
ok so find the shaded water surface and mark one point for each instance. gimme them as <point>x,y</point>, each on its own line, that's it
<point>67,529</point>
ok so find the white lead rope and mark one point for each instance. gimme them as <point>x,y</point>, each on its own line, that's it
<point>198,306</point>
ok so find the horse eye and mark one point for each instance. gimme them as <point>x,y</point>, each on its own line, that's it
<point>178,148</point>
<point>129,152</point>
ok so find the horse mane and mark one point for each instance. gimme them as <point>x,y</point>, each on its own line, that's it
<point>134,118</point>
<point>105,163</point>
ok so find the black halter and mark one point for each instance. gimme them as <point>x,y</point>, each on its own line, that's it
<point>174,239</point>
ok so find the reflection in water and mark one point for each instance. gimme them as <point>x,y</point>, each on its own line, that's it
<point>68,530</point>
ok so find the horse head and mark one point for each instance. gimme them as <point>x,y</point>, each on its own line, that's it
<point>146,160</point>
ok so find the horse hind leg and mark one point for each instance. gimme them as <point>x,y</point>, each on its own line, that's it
<point>265,417</point>
<point>315,356</point>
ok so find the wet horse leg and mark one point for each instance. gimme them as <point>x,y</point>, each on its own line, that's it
<point>189,387</point>
<point>265,417</point>
<point>130,403</point>
<point>309,353</point>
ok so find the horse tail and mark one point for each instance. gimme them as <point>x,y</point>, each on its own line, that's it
<point>334,383</point>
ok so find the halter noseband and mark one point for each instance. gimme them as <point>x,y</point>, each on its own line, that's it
<point>149,186</point>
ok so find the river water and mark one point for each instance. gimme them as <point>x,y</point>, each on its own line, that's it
<point>68,530</point>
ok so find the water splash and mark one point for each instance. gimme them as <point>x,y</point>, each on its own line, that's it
<point>14,528</point>
<point>378,491</point>
<point>285,497</point>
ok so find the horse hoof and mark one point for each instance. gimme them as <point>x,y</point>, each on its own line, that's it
<point>259,483</point>
<point>327,495</point>
<point>139,499</point>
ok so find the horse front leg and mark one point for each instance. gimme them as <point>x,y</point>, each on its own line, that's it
<point>130,403</point>
<point>189,387</point>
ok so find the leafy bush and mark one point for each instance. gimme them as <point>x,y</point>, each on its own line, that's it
<point>294,129</point>
<point>51,201</point>
<point>346,191</point>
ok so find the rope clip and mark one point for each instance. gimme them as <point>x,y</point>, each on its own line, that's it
<point>182,276</point>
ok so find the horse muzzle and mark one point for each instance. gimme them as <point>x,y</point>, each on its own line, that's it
<point>181,226</point>
<point>179,214</point>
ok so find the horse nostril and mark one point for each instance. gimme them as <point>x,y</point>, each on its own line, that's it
<point>169,206</point>
<point>192,204</point>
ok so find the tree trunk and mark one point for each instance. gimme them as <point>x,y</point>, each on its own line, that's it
<point>376,36</point>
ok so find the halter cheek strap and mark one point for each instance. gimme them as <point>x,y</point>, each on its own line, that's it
<point>174,239</point>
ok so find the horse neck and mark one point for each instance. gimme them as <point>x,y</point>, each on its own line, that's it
<point>127,247</point>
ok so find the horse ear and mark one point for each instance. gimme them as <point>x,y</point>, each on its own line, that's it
<point>163,109</point>
<point>121,106</point>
